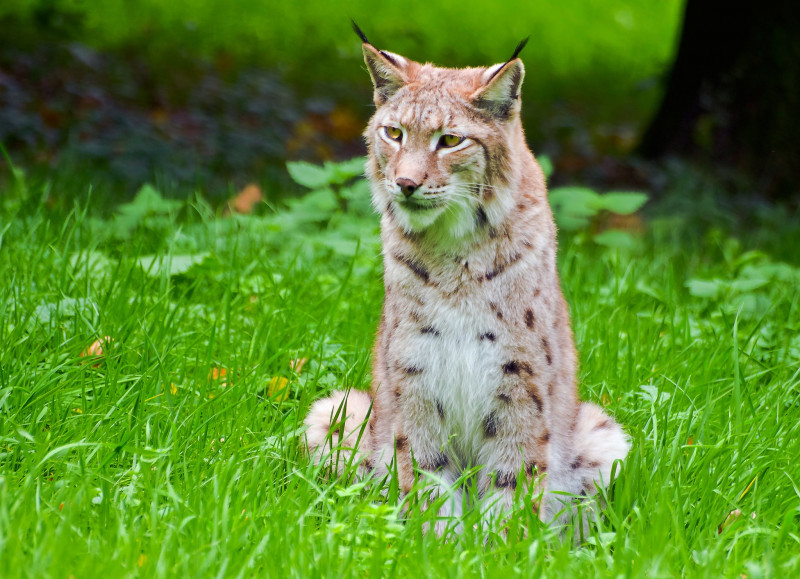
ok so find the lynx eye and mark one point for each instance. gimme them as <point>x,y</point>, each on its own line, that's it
<point>448,141</point>
<point>394,133</point>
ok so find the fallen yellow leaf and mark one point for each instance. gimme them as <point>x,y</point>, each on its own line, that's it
<point>278,388</point>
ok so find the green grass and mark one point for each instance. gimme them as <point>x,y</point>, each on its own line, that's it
<point>141,463</point>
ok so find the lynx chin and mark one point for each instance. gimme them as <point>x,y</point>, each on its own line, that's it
<point>474,362</point>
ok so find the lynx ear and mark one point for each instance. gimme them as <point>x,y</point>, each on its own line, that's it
<point>388,72</point>
<point>501,89</point>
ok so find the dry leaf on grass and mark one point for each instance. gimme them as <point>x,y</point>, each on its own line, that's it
<point>732,517</point>
<point>278,387</point>
<point>246,200</point>
<point>96,349</point>
<point>297,364</point>
<point>220,375</point>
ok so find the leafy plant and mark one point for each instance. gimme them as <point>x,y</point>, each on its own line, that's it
<point>316,176</point>
<point>148,210</point>
<point>336,213</point>
<point>750,286</point>
<point>575,208</point>
<point>336,186</point>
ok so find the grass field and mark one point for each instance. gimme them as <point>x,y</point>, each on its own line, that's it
<point>176,452</point>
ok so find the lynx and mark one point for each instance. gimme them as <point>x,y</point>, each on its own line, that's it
<point>474,362</point>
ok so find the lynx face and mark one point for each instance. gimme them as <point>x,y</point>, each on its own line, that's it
<point>439,142</point>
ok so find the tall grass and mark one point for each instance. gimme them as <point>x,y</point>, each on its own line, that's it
<point>149,460</point>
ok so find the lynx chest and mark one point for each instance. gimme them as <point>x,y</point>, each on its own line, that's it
<point>450,355</point>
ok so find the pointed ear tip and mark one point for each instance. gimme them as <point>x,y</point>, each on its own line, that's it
<point>516,64</point>
<point>359,32</point>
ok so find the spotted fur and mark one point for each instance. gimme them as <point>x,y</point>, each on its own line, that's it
<point>474,360</point>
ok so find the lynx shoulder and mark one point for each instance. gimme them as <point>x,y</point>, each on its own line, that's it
<point>474,362</point>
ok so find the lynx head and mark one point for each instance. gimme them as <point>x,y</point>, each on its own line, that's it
<point>441,143</point>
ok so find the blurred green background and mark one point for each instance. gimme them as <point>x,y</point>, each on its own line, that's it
<point>616,43</point>
<point>211,94</point>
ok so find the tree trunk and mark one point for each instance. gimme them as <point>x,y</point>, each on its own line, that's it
<point>733,96</point>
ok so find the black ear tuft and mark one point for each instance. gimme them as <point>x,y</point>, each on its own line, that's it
<point>365,40</point>
<point>517,50</point>
<point>360,33</point>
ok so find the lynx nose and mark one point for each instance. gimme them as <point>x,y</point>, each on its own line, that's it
<point>407,186</point>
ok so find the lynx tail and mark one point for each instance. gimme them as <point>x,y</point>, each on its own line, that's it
<point>599,441</point>
<point>337,426</point>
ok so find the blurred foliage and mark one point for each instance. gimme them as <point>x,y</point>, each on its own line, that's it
<point>209,95</point>
<point>73,106</point>
<point>577,205</point>
<point>620,41</point>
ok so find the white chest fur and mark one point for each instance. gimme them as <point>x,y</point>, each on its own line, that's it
<point>459,354</point>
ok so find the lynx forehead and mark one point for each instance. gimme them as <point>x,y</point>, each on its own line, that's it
<point>474,360</point>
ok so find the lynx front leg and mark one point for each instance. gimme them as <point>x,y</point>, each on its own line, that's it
<point>515,440</point>
<point>422,455</point>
